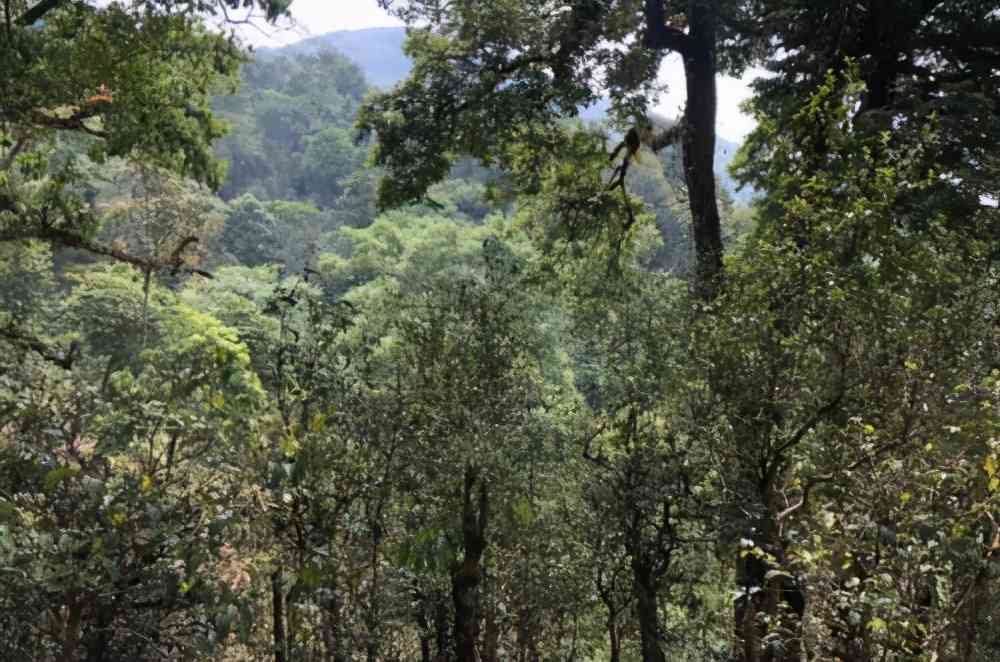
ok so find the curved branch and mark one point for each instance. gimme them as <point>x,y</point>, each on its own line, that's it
<point>74,122</point>
<point>661,36</point>
<point>54,235</point>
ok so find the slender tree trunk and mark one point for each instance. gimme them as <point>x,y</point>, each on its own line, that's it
<point>606,590</point>
<point>468,574</point>
<point>423,626</point>
<point>698,142</point>
<point>372,613</point>
<point>571,656</point>
<point>614,640</point>
<point>750,573</point>
<point>106,377</point>
<point>333,626</point>
<point>171,450</point>
<point>278,613</point>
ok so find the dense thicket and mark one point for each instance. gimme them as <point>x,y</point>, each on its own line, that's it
<point>508,393</point>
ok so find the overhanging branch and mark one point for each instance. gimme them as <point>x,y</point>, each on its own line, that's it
<point>175,262</point>
<point>38,11</point>
<point>661,36</point>
<point>74,122</point>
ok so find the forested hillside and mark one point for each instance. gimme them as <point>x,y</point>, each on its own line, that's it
<point>379,54</point>
<point>319,356</point>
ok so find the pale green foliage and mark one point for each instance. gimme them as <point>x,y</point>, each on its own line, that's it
<point>497,384</point>
<point>108,475</point>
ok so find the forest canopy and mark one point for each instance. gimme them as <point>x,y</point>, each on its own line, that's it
<point>296,368</point>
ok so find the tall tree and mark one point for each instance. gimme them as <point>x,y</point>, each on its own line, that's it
<point>865,213</point>
<point>922,65</point>
<point>852,189</point>
<point>494,80</point>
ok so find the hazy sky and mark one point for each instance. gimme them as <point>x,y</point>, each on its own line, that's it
<point>315,17</point>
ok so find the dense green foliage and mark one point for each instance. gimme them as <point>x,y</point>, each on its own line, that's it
<point>478,398</point>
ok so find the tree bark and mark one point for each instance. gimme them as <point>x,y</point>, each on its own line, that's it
<point>605,583</point>
<point>613,639</point>
<point>423,626</point>
<point>467,575</point>
<point>647,610</point>
<point>278,614</point>
<point>333,627</point>
<point>698,141</point>
<point>697,47</point>
<point>372,612</point>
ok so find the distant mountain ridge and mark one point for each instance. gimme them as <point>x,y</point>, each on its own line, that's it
<point>377,51</point>
<point>379,54</point>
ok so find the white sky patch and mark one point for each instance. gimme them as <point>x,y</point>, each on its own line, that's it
<point>316,17</point>
<point>731,123</point>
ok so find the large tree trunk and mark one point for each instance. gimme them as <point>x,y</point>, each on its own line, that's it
<point>467,576</point>
<point>699,147</point>
<point>697,48</point>
<point>647,610</point>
